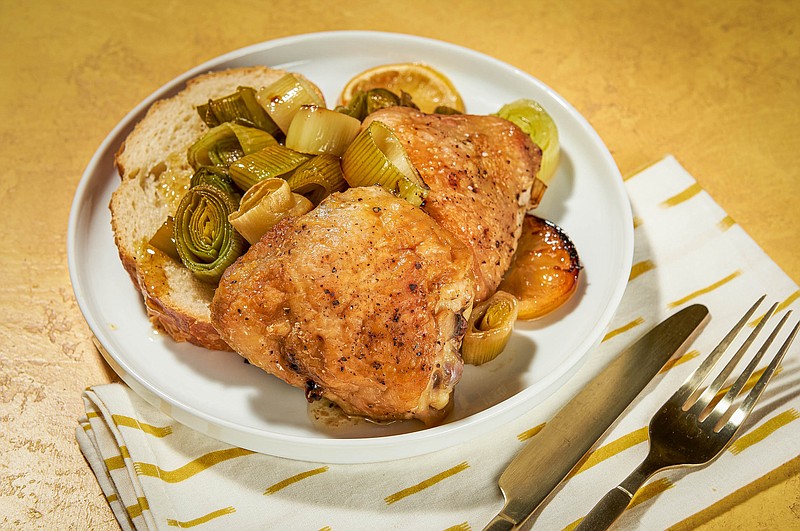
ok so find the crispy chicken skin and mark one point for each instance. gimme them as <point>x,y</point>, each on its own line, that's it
<point>363,301</point>
<point>481,170</point>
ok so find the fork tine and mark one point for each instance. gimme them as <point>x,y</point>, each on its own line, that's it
<point>724,404</point>
<point>708,394</point>
<point>692,383</point>
<point>743,411</point>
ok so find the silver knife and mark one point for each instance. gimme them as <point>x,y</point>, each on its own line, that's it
<point>552,454</point>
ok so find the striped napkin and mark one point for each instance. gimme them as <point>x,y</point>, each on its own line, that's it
<point>158,474</point>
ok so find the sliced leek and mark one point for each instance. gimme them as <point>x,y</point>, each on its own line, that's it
<point>226,143</point>
<point>241,107</point>
<point>380,98</point>
<point>214,176</point>
<point>252,139</point>
<point>316,130</point>
<point>205,239</point>
<point>444,109</point>
<point>317,178</point>
<point>376,156</point>
<point>534,121</point>
<point>273,161</point>
<point>283,98</point>
<point>357,108</point>
<point>489,328</point>
<point>363,103</point>
<point>164,239</point>
<point>406,100</point>
<point>264,205</point>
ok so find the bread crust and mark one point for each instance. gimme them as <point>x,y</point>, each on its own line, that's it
<point>154,175</point>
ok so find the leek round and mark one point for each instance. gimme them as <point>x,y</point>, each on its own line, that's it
<point>444,109</point>
<point>273,161</point>
<point>376,156</point>
<point>381,98</point>
<point>316,130</point>
<point>213,176</point>
<point>206,241</point>
<point>164,239</point>
<point>226,143</point>
<point>318,178</point>
<point>534,121</point>
<point>362,104</point>
<point>241,107</point>
<point>489,328</point>
<point>264,205</point>
<point>283,98</point>
<point>357,108</point>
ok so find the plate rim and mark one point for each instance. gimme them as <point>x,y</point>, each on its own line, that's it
<point>493,416</point>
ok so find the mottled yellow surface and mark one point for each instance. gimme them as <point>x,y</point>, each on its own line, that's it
<point>717,84</point>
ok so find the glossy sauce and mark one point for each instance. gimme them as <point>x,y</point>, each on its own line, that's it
<point>326,416</point>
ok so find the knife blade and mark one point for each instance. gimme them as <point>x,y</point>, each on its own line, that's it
<point>563,441</point>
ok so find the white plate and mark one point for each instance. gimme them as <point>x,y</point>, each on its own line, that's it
<point>217,394</point>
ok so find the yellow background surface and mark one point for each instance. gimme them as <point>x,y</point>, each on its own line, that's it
<point>717,84</point>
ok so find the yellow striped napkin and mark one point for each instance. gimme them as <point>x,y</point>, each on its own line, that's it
<point>158,474</point>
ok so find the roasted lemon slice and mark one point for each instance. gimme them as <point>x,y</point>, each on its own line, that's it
<point>428,87</point>
<point>544,272</point>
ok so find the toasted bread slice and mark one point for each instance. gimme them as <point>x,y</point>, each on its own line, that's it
<point>155,174</point>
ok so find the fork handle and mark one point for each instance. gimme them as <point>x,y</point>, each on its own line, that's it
<point>607,510</point>
<point>614,503</point>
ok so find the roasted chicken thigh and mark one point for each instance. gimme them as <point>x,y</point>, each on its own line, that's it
<point>481,171</point>
<point>362,301</point>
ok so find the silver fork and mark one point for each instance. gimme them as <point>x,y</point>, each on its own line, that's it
<point>691,428</point>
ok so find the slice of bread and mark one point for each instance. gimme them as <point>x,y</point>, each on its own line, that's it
<point>155,174</point>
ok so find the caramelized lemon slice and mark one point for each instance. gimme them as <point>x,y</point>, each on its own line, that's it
<point>428,87</point>
<point>544,272</point>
